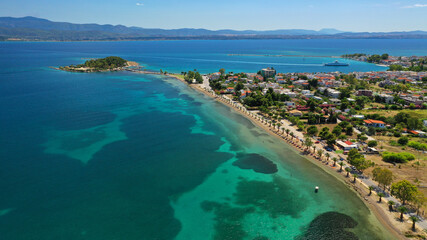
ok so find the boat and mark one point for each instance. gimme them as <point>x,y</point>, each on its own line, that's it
<point>336,64</point>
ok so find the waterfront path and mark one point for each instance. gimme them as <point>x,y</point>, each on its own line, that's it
<point>364,181</point>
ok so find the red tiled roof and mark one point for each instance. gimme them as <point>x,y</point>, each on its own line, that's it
<point>370,121</point>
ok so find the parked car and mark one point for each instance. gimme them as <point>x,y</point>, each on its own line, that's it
<point>328,149</point>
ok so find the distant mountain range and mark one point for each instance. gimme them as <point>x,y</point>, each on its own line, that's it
<point>37,29</point>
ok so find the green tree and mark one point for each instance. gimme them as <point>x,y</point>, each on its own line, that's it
<point>320,153</point>
<point>353,154</point>
<point>337,130</point>
<point>334,159</point>
<point>239,86</point>
<point>198,77</point>
<point>372,143</point>
<point>419,200</point>
<point>381,195</point>
<point>354,177</point>
<point>222,71</point>
<point>390,205</point>
<point>403,141</point>
<point>341,165</point>
<point>300,126</point>
<point>404,191</point>
<point>414,219</point>
<point>370,190</point>
<point>383,176</point>
<point>348,170</point>
<point>401,157</point>
<point>308,143</point>
<point>312,130</point>
<point>402,210</point>
<point>349,130</point>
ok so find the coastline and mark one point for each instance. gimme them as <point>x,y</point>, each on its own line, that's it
<point>359,188</point>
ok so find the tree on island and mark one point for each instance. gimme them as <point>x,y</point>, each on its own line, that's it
<point>105,63</point>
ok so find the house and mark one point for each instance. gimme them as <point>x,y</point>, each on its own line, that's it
<point>333,93</point>
<point>367,93</point>
<point>281,81</point>
<point>230,89</point>
<point>374,123</point>
<point>291,94</point>
<point>347,145</point>
<point>300,82</point>
<point>343,118</point>
<point>335,101</point>
<point>268,72</point>
<point>215,76</point>
<point>295,113</point>
<point>244,94</point>
<point>358,116</point>
<point>386,98</point>
<point>418,133</point>
<point>290,104</point>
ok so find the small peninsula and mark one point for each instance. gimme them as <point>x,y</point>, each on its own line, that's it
<point>108,64</point>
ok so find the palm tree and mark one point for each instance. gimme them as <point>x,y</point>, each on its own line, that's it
<point>348,170</point>
<point>402,210</point>
<point>320,153</point>
<point>292,135</point>
<point>335,161</point>
<point>381,195</point>
<point>308,143</point>
<point>327,156</point>
<point>287,131</point>
<point>354,177</point>
<point>341,164</point>
<point>314,147</point>
<point>414,219</point>
<point>370,190</point>
<point>390,205</point>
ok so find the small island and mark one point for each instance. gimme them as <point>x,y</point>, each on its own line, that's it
<point>107,64</point>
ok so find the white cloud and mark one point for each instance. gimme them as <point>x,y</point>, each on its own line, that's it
<point>139,4</point>
<point>416,6</point>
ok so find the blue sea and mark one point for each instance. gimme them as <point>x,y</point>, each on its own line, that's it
<point>130,156</point>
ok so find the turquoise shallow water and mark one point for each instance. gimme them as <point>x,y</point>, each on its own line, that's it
<point>128,156</point>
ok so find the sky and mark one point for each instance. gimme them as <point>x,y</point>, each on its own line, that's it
<point>346,15</point>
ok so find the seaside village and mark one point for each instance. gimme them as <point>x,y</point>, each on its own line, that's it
<point>371,127</point>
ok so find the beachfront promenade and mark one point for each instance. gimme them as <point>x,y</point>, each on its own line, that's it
<point>296,139</point>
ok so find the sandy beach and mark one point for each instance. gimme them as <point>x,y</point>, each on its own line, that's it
<point>386,218</point>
